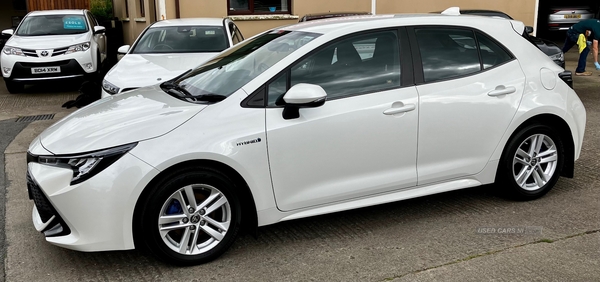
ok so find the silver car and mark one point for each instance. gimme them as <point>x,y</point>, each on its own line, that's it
<point>562,18</point>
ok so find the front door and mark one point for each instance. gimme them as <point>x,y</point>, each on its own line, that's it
<point>361,142</point>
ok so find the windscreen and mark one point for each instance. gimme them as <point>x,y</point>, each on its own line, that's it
<point>182,39</point>
<point>237,66</point>
<point>52,25</point>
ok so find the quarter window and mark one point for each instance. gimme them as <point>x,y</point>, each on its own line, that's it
<point>356,65</point>
<point>491,53</point>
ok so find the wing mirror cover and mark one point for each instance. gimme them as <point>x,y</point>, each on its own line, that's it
<point>302,95</point>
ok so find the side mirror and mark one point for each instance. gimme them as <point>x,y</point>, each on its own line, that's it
<point>123,49</point>
<point>528,29</point>
<point>8,32</point>
<point>99,30</point>
<point>302,95</point>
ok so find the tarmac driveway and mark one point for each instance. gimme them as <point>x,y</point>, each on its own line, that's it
<point>468,235</point>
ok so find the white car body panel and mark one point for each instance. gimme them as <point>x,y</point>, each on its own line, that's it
<point>139,70</point>
<point>366,153</point>
<point>481,118</point>
<point>248,140</point>
<point>139,115</point>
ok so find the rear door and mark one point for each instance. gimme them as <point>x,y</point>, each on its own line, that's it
<point>470,87</point>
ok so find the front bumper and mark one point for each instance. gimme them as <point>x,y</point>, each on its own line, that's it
<point>95,215</point>
<point>75,65</point>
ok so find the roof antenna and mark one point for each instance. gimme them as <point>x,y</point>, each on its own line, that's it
<point>453,11</point>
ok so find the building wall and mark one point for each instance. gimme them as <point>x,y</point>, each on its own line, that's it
<point>7,11</point>
<point>523,10</point>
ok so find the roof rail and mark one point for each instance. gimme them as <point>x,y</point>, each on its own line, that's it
<point>452,11</point>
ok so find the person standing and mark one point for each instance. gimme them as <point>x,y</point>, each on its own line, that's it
<point>593,26</point>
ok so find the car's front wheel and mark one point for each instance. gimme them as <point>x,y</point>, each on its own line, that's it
<point>532,163</point>
<point>191,217</point>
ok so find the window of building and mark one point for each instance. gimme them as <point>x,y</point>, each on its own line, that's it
<point>357,65</point>
<point>142,8</point>
<point>249,7</point>
<point>126,9</point>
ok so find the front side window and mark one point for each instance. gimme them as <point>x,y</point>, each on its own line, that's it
<point>182,39</point>
<point>356,65</point>
<point>52,25</point>
<point>238,65</point>
<point>245,7</point>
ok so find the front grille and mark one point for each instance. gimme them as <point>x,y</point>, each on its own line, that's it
<point>46,64</point>
<point>29,53</point>
<point>59,51</point>
<point>42,204</point>
<point>57,227</point>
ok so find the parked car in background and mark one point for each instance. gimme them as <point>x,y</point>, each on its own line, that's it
<point>562,18</point>
<point>548,47</point>
<point>312,17</point>
<point>52,45</point>
<point>168,48</point>
<point>294,122</point>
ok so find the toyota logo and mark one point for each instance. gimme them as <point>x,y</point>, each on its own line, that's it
<point>44,53</point>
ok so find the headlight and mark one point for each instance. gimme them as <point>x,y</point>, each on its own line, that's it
<point>109,87</point>
<point>78,48</point>
<point>558,57</point>
<point>86,165</point>
<point>7,50</point>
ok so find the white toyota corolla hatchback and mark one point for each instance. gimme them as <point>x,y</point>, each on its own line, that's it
<point>303,120</point>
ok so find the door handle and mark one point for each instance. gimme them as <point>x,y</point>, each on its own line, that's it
<point>502,90</point>
<point>398,110</point>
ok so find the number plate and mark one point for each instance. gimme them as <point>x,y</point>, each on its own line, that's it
<point>573,16</point>
<point>45,70</point>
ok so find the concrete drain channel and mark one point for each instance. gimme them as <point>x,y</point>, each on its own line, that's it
<point>35,118</point>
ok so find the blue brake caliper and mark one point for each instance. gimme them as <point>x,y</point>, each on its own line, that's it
<point>174,208</point>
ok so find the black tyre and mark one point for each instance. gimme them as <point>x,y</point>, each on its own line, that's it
<point>532,163</point>
<point>14,87</point>
<point>190,217</point>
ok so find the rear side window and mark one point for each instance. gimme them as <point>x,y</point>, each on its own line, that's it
<point>448,52</point>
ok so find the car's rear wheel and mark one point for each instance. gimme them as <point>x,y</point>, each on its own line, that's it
<point>14,87</point>
<point>191,217</point>
<point>532,163</point>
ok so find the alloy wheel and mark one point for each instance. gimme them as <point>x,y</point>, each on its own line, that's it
<point>535,162</point>
<point>194,219</point>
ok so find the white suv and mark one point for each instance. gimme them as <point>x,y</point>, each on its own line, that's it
<point>52,45</point>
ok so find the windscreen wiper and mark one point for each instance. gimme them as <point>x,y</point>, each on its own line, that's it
<point>180,92</point>
<point>176,90</point>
